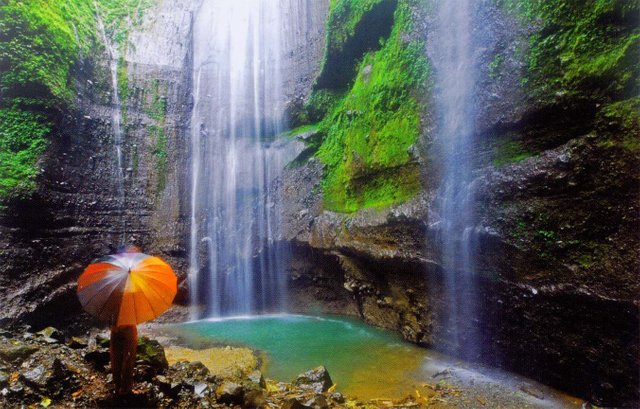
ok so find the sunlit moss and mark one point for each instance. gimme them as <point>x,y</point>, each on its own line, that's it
<point>368,135</point>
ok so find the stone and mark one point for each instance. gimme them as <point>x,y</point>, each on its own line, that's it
<point>77,343</point>
<point>257,378</point>
<point>98,357</point>
<point>16,353</point>
<point>337,397</point>
<point>151,353</point>
<point>317,402</point>
<point>294,403</point>
<point>4,378</point>
<point>51,333</point>
<point>255,398</point>
<point>317,380</point>
<point>200,388</point>
<point>231,393</point>
<point>36,377</point>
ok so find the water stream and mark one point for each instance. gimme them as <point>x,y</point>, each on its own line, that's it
<point>453,219</point>
<point>236,266</point>
<point>116,125</point>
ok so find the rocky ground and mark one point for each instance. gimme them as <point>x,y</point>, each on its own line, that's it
<point>49,369</point>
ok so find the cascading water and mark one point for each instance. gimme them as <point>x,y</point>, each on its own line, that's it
<point>116,124</point>
<point>236,266</point>
<point>454,219</point>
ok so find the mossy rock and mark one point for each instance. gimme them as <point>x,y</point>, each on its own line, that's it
<point>150,352</point>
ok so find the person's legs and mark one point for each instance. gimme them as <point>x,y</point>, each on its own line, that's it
<point>124,342</point>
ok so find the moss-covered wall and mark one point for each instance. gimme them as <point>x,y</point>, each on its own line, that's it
<point>368,128</point>
<point>41,43</point>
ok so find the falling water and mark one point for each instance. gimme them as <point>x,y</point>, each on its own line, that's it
<point>116,123</point>
<point>236,266</point>
<point>454,220</point>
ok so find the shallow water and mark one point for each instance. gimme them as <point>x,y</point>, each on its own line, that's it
<point>363,361</point>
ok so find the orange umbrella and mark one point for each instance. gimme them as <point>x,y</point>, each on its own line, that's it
<point>127,288</point>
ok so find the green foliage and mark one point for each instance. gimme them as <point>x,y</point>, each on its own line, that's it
<point>344,16</point>
<point>40,43</point>
<point>510,151</point>
<point>320,103</point>
<point>589,47</point>
<point>369,133</point>
<point>156,110</point>
<point>22,140</point>
<point>623,118</point>
<point>495,66</point>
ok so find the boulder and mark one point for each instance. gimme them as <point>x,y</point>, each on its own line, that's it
<point>317,380</point>
<point>151,353</point>
<point>230,393</point>
<point>17,353</point>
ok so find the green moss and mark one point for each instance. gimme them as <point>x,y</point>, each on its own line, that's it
<point>22,141</point>
<point>510,151</point>
<point>40,44</point>
<point>156,110</point>
<point>495,66</point>
<point>368,134</point>
<point>622,119</point>
<point>344,16</point>
<point>586,47</point>
<point>303,129</point>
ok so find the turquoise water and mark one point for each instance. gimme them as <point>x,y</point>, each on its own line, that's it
<point>361,359</point>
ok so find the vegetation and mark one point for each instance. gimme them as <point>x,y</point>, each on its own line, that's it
<point>40,44</point>
<point>582,46</point>
<point>366,136</point>
<point>156,109</point>
<point>22,141</point>
<point>510,151</point>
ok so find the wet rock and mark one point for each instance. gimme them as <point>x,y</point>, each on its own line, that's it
<point>77,343</point>
<point>230,393</point>
<point>151,353</point>
<point>294,403</point>
<point>317,402</point>
<point>51,333</point>
<point>257,378</point>
<point>4,378</point>
<point>200,388</point>
<point>317,379</point>
<point>36,377</point>
<point>98,357</point>
<point>17,353</point>
<point>531,390</point>
<point>255,398</point>
<point>337,397</point>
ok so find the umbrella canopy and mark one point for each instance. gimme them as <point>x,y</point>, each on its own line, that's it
<point>127,288</point>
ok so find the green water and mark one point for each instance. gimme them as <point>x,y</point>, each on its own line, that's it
<point>361,359</point>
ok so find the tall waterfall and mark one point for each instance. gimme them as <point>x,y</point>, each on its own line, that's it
<point>454,219</point>
<point>236,266</point>
<point>116,124</point>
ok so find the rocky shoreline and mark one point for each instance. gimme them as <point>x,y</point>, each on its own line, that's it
<point>49,369</point>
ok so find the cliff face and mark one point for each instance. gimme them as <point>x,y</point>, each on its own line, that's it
<point>556,200</point>
<point>76,213</point>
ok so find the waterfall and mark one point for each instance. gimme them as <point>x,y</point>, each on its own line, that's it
<point>453,219</point>
<point>116,124</point>
<point>236,266</point>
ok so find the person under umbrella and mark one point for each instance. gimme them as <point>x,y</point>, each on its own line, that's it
<point>126,289</point>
